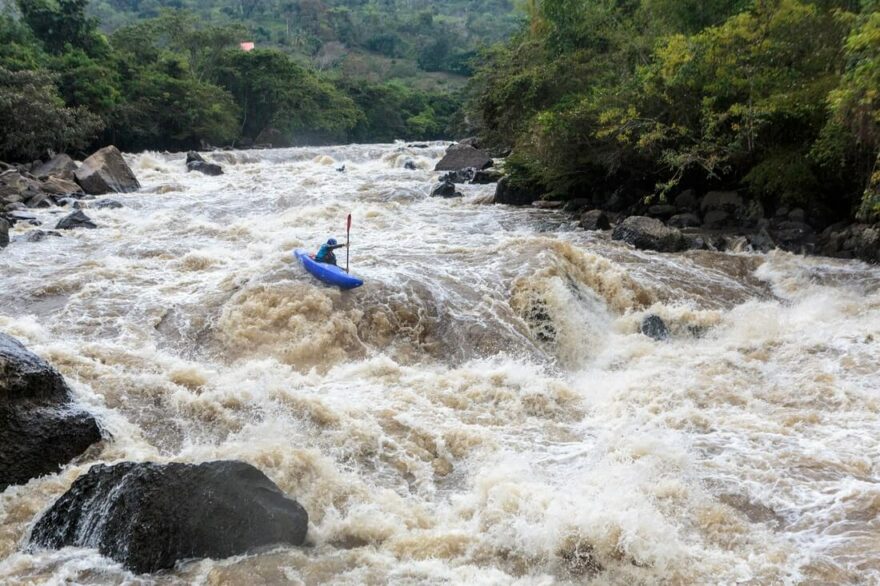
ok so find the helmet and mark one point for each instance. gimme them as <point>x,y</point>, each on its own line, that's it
<point>332,242</point>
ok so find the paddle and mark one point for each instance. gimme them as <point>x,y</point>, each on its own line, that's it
<point>347,241</point>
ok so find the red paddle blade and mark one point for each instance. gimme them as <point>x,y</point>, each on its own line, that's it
<point>348,227</point>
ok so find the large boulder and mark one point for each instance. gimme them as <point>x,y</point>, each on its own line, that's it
<point>59,186</point>
<point>40,428</point>
<point>77,219</point>
<point>4,233</point>
<point>649,234</point>
<point>487,176</point>
<point>204,167</point>
<point>61,166</point>
<point>595,220</point>
<point>515,195</point>
<point>106,172</point>
<point>445,189</point>
<point>149,516</point>
<point>727,201</point>
<point>16,187</point>
<point>462,156</point>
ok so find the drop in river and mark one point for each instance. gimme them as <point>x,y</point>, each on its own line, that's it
<point>485,410</point>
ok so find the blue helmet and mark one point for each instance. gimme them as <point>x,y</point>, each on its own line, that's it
<point>332,242</point>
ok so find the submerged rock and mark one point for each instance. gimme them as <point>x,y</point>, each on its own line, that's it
<point>195,162</point>
<point>106,172</point>
<point>77,219</point>
<point>39,235</point>
<point>149,516</point>
<point>40,428</point>
<point>101,204</point>
<point>649,234</point>
<point>445,189</point>
<point>654,327</point>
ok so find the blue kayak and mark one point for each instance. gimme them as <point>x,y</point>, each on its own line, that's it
<point>330,274</point>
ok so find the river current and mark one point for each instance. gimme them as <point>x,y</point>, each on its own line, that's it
<point>484,410</point>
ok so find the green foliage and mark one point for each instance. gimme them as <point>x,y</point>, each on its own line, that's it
<point>601,96</point>
<point>34,118</point>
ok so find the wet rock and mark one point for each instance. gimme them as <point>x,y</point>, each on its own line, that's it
<point>106,204</point>
<point>654,327</point>
<point>40,200</point>
<point>547,204</point>
<point>662,211</point>
<point>649,234</point>
<point>58,186</point>
<point>106,172</point>
<point>761,241</point>
<point>797,215</point>
<point>716,219</point>
<point>340,169</point>
<point>460,176</point>
<point>39,235</point>
<point>686,200</point>
<point>77,219</point>
<point>471,141</point>
<point>150,516</point>
<point>445,189</point>
<point>578,204</point>
<point>16,187</point>
<point>687,220</point>
<point>486,176</point>
<point>852,241</point>
<point>515,195</point>
<point>728,201</point>
<point>794,236</point>
<point>60,166</point>
<point>40,428</point>
<point>595,220</point>
<point>195,162</point>
<point>4,233</point>
<point>410,165</point>
<point>462,156</point>
<point>19,216</point>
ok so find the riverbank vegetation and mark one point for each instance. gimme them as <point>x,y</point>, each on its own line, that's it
<point>644,98</point>
<point>178,79</point>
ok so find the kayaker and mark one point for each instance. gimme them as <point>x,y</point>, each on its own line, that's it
<point>325,253</point>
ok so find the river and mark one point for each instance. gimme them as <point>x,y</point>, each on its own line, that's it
<point>484,410</point>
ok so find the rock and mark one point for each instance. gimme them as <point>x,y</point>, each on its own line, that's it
<point>794,236</point>
<point>58,186</point>
<point>77,219</point>
<point>460,176</point>
<point>578,204</point>
<point>471,141</point>
<point>686,200</point>
<point>19,216</point>
<point>797,215</point>
<point>687,220</point>
<point>649,234</point>
<point>40,200</point>
<point>547,204</point>
<point>761,241</point>
<point>728,201</point>
<point>486,176</point>
<point>462,157</point>
<point>106,172</point>
<point>340,169</point>
<point>204,167</point>
<point>715,219</point>
<point>194,157</point>
<point>654,327</point>
<point>4,233</point>
<point>662,211</point>
<point>16,187</point>
<point>149,516</point>
<point>445,189</point>
<point>41,428</point>
<point>595,220</point>
<point>39,235</point>
<point>60,166</point>
<point>518,195</point>
<point>102,204</point>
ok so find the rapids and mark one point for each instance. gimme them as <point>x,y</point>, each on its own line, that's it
<point>484,410</point>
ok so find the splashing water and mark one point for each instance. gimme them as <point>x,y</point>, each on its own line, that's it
<point>484,410</point>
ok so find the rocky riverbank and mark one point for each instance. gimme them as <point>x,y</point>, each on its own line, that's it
<point>714,220</point>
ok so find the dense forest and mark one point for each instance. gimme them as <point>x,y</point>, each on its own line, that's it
<point>172,75</point>
<point>615,99</point>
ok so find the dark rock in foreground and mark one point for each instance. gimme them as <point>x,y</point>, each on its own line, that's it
<point>462,156</point>
<point>445,189</point>
<point>106,172</point>
<point>40,428</point>
<point>77,219</point>
<point>515,195</point>
<point>649,234</point>
<point>149,516</point>
<point>595,220</point>
<point>654,327</point>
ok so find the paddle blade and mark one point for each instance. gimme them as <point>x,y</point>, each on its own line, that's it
<point>348,227</point>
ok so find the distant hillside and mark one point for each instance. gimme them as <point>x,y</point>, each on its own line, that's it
<point>374,40</point>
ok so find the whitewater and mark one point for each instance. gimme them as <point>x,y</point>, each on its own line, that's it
<point>485,410</point>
